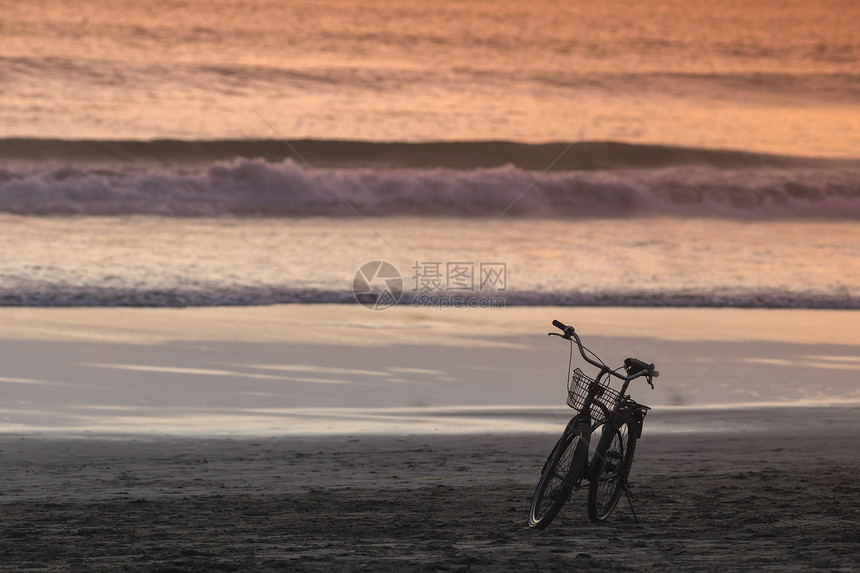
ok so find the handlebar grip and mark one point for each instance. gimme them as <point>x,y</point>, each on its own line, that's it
<point>559,325</point>
<point>636,365</point>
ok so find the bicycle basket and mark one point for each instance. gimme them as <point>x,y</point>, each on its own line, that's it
<point>578,389</point>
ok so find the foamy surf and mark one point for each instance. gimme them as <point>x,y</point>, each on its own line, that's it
<point>256,187</point>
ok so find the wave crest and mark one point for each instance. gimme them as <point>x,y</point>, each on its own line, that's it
<point>261,188</point>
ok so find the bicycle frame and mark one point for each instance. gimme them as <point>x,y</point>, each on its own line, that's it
<point>613,417</point>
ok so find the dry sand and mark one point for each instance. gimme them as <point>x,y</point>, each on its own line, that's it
<point>783,497</point>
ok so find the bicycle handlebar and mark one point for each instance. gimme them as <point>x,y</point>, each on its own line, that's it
<point>630,364</point>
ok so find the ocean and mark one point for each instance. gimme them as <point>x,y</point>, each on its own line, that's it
<point>678,153</point>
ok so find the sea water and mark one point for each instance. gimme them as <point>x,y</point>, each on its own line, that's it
<point>180,153</point>
<point>655,261</point>
<point>778,77</point>
<point>204,223</point>
<point>671,153</point>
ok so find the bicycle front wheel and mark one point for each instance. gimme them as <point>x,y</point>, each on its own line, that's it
<point>610,468</point>
<point>562,470</point>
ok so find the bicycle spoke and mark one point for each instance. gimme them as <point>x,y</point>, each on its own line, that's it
<point>556,483</point>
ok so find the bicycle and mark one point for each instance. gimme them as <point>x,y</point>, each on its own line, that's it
<point>603,411</point>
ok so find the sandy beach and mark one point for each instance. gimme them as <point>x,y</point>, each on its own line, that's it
<point>329,437</point>
<point>779,499</point>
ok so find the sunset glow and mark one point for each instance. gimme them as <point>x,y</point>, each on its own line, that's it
<point>733,74</point>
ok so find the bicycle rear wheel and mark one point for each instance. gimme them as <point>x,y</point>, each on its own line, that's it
<point>562,470</point>
<point>610,467</point>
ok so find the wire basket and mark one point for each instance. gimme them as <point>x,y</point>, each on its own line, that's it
<point>578,389</point>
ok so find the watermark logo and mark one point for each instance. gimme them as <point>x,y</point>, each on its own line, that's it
<point>377,285</point>
<point>459,277</point>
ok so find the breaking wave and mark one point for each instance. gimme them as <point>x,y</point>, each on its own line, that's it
<point>258,187</point>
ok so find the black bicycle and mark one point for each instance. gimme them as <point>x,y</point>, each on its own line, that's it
<point>608,418</point>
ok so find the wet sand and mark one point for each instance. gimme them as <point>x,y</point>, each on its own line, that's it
<point>336,369</point>
<point>783,497</point>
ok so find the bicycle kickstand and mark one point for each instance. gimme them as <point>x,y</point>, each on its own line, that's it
<point>626,486</point>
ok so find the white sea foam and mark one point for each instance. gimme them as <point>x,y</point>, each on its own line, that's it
<point>261,188</point>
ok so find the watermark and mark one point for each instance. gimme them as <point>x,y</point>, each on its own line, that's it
<point>378,285</point>
<point>443,301</point>
<point>459,276</point>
